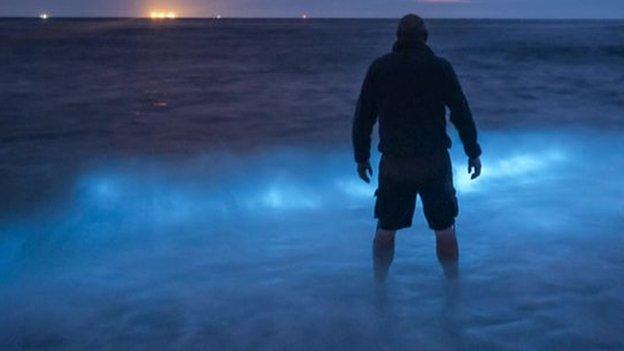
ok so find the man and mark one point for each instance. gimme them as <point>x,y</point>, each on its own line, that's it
<point>408,90</point>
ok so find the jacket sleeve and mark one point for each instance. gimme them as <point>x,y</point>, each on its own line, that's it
<point>461,116</point>
<point>364,119</point>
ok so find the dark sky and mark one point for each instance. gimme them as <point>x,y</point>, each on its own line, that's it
<point>323,8</point>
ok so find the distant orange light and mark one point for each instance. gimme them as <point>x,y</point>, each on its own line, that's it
<point>163,15</point>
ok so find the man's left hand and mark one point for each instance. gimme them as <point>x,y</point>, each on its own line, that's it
<point>474,167</point>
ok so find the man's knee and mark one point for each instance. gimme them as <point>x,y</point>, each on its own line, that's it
<point>384,235</point>
<point>445,233</point>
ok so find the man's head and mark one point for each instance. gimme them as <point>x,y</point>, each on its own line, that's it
<point>412,27</point>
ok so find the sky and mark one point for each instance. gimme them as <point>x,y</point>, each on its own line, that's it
<point>321,8</point>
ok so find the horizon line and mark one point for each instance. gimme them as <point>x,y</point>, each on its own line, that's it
<point>316,18</point>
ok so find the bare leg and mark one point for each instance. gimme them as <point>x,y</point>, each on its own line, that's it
<point>383,253</point>
<point>447,251</point>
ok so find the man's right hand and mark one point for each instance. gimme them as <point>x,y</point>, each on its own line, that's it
<point>365,171</point>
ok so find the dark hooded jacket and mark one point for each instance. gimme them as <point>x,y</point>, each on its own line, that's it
<point>408,90</point>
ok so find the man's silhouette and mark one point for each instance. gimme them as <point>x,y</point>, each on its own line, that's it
<point>408,90</point>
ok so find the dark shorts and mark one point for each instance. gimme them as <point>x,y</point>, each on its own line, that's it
<point>402,179</point>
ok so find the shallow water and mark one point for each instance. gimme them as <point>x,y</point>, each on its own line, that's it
<point>273,251</point>
<point>151,235</point>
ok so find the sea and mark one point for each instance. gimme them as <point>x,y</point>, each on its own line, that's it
<point>189,184</point>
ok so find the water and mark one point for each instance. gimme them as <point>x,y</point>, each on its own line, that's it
<point>189,185</point>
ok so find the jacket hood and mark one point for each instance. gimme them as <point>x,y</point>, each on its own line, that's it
<point>403,45</point>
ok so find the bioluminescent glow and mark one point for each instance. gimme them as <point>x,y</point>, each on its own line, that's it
<point>521,168</point>
<point>355,188</point>
<point>284,197</point>
<point>324,187</point>
<point>189,250</point>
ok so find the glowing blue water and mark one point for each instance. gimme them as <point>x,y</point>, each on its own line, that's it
<point>272,251</point>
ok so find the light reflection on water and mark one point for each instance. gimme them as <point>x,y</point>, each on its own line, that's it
<point>273,252</point>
